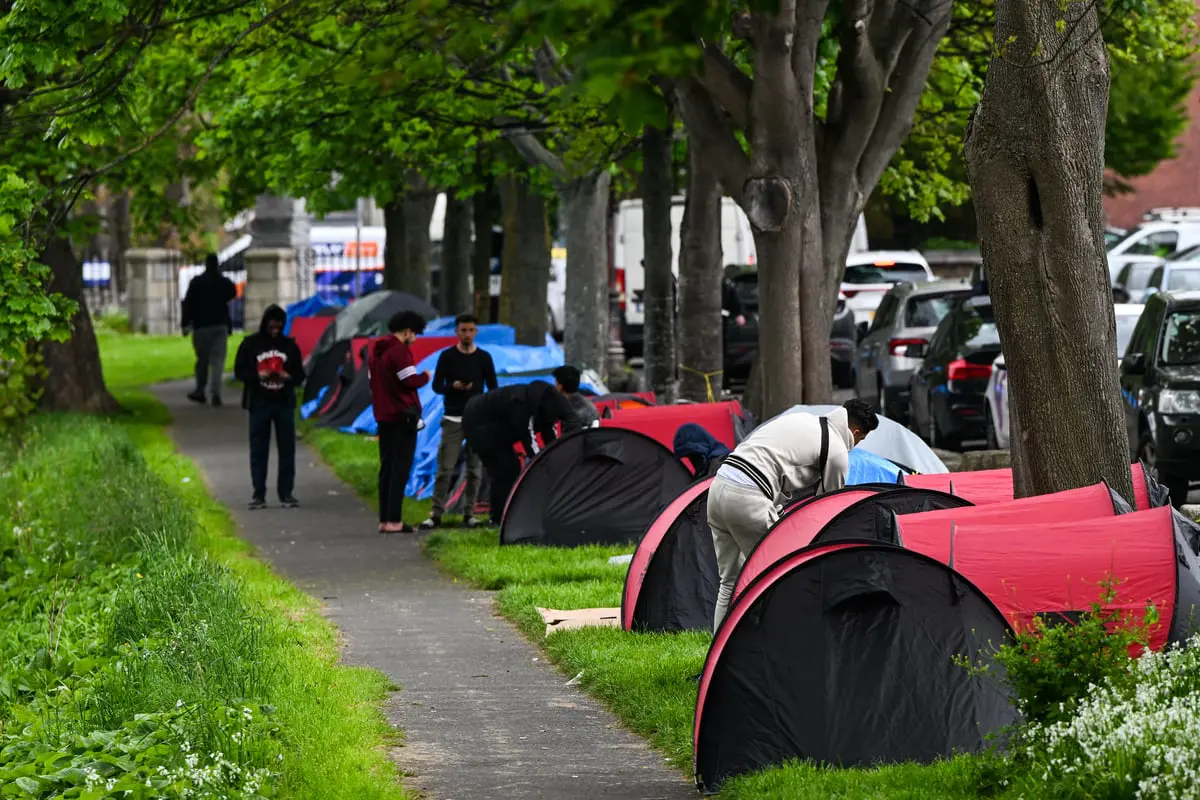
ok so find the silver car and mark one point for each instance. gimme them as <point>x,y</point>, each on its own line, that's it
<point>908,314</point>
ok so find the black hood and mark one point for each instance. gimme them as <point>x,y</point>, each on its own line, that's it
<point>272,313</point>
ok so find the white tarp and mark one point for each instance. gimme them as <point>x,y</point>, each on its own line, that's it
<point>892,441</point>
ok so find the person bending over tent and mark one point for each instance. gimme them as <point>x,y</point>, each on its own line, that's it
<point>566,380</point>
<point>462,372</point>
<point>394,381</point>
<point>496,421</point>
<point>782,460</point>
<point>699,448</point>
<point>270,367</point>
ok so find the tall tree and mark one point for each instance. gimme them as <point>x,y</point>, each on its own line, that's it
<point>658,183</point>
<point>455,288</point>
<point>700,327</point>
<point>526,259</point>
<point>1035,151</point>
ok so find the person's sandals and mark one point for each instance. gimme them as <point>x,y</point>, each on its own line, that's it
<point>397,527</point>
<point>257,503</point>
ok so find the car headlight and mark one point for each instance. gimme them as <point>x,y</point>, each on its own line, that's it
<point>1174,401</point>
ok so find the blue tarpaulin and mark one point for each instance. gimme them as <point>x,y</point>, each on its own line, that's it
<point>310,307</point>
<point>866,467</point>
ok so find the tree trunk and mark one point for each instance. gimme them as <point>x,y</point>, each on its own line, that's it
<point>418,211</point>
<point>481,255</point>
<point>120,238</point>
<point>74,377</point>
<point>1035,155</point>
<point>526,262</point>
<point>658,183</point>
<point>393,247</point>
<point>585,207</point>
<point>701,351</point>
<point>456,257</point>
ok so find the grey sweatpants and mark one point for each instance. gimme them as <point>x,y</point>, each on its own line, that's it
<point>739,517</point>
<point>448,453</point>
<point>209,343</point>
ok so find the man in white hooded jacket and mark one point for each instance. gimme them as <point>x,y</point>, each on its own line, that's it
<point>788,456</point>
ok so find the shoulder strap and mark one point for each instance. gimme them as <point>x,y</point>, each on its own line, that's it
<point>824,450</point>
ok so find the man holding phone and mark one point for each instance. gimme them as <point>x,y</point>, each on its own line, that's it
<point>462,372</point>
<point>270,367</point>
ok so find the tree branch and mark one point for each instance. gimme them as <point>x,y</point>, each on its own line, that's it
<point>535,152</point>
<point>727,84</point>
<point>712,135</point>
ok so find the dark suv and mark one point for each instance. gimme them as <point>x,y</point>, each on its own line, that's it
<point>1160,383</point>
<point>741,341</point>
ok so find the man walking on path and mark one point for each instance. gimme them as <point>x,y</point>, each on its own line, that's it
<point>789,455</point>
<point>462,372</point>
<point>270,367</point>
<point>496,421</point>
<point>394,380</point>
<point>206,316</point>
<point>566,380</point>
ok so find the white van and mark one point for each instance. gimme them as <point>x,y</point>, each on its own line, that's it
<point>1162,233</point>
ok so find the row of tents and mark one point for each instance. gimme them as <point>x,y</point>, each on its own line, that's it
<point>853,616</point>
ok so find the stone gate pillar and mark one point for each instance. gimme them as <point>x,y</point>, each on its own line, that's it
<point>154,290</point>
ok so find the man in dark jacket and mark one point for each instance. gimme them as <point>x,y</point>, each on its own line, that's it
<point>496,421</point>
<point>270,367</point>
<point>463,372</point>
<point>206,316</point>
<point>394,380</point>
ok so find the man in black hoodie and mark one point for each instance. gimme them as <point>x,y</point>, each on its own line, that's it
<point>206,316</point>
<point>496,421</point>
<point>270,367</point>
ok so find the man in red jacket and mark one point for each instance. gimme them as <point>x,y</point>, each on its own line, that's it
<point>394,383</point>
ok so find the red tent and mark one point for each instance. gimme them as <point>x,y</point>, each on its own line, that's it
<point>855,512</point>
<point>661,422</point>
<point>996,485</point>
<point>929,532</point>
<point>1060,569</point>
<point>425,346</point>
<point>307,331</point>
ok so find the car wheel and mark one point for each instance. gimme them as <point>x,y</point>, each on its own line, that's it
<point>1148,454</point>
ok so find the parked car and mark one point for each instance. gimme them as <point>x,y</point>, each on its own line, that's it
<point>947,390</point>
<point>1173,276</point>
<point>1163,233</point>
<point>998,428</point>
<point>1113,235</point>
<point>1131,282</point>
<point>1160,383</point>
<point>907,316</point>
<point>871,274</point>
<point>741,341</point>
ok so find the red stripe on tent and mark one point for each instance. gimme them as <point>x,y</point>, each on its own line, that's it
<point>736,611</point>
<point>996,485</point>
<point>425,346</point>
<point>929,531</point>
<point>649,544</point>
<point>1043,569</point>
<point>358,347</point>
<point>795,531</point>
<point>661,422</point>
<point>307,332</point>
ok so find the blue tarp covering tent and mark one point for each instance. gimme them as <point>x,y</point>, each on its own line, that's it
<point>866,467</point>
<point>310,307</point>
<point>489,334</point>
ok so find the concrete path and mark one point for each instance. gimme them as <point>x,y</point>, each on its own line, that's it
<point>483,713</point>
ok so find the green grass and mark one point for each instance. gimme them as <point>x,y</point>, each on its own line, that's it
<point>132,360</point>
<point>477,557</point>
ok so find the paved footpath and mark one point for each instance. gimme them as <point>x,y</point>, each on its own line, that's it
<point>484,715</point>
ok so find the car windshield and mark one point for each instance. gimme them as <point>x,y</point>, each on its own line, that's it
<point>1182,279</point>
<point>1135,277</point>
<point>1181,338</point>
<point>926,311</point>
<point>886,272</point>
<point>1125,325</point>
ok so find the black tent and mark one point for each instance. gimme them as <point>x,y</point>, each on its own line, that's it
<point>323,371</point>
<point>368,317</point>
<point>873,517</point>
<point>848,655</point>
<point>352,400</point>
<point>672,580</point>
<point>593,486</point>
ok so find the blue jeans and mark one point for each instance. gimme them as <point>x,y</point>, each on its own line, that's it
<point>264,415</point>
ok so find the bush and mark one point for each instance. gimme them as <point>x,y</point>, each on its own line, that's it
<point>1133,736</point>
<point>20,380</point>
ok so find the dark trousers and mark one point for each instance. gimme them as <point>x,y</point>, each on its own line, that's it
<point>397,443</point>
<point>503,468</point>
<point>264,415</point>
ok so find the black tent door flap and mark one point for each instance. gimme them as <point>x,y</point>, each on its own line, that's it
<point>679,590</point>
<point>602,499</point>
